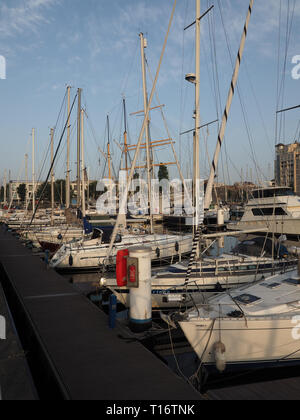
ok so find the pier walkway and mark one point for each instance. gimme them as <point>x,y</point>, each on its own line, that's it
<point>15,379</point>
<point>71,351</point>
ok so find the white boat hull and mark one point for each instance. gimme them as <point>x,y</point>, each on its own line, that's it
<point>254,341</point>
<point>258,323</point>
<point>94,257</point>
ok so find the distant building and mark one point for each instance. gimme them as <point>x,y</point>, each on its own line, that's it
<point>287,166</point>
<point>14,185</point>
<point>13,190</point>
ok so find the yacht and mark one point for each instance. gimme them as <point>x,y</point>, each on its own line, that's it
<point>253,325</point>
<point>274,208</point>
<point>91,254</point>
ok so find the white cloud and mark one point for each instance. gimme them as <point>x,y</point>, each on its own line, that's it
<point>25,16</point>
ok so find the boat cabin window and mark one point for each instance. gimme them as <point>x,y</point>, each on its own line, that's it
<point>222,269</point>
<point>247,299</point>
<point>272,192</point>
<point>269,211</point>
<point>293,282</point>
<point>271,286</point>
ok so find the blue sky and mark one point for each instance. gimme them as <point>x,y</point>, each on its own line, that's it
<point>94,44</point>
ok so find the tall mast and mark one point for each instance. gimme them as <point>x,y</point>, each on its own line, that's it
<point>197,114</point>
<point>147,131</point>
<point>9,183</point>
<point>125,139</point>
<point>88,187</point>
<point>78,146</point>
<point>26,180</point>
<point>108,151</point>
<point>33,171</point>
<point>208,194</point>
<point>52,176</point>
<point>68,153</point>
<point>5,187</point>
<point>83,207</point>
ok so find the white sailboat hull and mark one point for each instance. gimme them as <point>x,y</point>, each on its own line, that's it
<point>254,341</point>
<point>92,257</point>
<point>258,323</point>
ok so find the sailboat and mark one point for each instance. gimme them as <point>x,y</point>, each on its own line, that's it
<point>253,325</point>
<point>91,254</point>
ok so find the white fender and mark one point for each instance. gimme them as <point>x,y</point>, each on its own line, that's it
<point>220,356</point>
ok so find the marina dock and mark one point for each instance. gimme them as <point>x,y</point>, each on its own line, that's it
<point>71,352</point>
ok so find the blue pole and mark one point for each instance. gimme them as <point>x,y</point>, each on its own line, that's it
<point>112,311</point>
